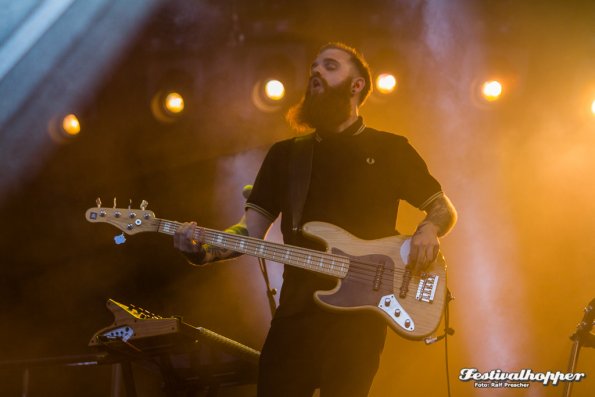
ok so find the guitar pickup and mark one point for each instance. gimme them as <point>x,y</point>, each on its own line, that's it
<point>426,289</point>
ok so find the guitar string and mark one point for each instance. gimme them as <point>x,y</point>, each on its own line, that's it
<point>365,275</point>
<point>299,254</point>
<point>301,257</point>
<point>275,250</point>
<point>367,269</point>
<point>385,281</point>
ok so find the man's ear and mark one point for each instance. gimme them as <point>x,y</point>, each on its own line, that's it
<point>357,85</point>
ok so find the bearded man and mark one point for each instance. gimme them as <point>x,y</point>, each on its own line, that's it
<point>356,177</point>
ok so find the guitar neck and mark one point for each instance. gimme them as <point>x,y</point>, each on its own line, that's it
<point>319,262</point>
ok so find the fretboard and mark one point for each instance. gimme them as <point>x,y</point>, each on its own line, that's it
<point>320,262</point>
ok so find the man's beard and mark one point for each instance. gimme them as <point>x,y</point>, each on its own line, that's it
<point>325,110</point>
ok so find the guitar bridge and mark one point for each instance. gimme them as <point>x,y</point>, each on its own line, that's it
<point>426,289</point>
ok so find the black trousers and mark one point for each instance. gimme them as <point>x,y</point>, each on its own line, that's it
<point>338,353</point>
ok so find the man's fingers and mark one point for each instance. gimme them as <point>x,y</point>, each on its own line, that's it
<point>412,256</point>
<point>184,238</point>
<point>421,257</point>
<point>421,260</point>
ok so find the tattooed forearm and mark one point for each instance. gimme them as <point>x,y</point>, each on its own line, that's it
<point>214,253</point>
<point>442,214</point>
<point>204,253</point>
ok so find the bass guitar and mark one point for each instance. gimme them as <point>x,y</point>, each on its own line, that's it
<point>372,274</point>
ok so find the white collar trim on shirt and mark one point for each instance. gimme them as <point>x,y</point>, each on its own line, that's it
<point>359,131</point>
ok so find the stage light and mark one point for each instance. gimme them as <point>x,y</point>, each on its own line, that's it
<point>272,77</point>
<point>71,125</point>
<point>491,90</point>
<point>274,90</point>
<point>386,83</point>
<point>168,106</point>
<point>64,128</point>
<point>174,103</point>
<point>269,94</point>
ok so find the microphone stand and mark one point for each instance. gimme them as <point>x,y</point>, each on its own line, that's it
<point>271,292</point>
<point>582,337</point>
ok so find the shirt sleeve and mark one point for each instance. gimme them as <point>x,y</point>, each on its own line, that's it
<point>267,190</point>
<point>418,186</point>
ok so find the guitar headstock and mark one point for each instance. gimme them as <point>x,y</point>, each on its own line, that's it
<point>129,220</point>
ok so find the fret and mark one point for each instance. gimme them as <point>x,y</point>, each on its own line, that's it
<point>167,227</point>
<point>321,263</point>
<point>261,249</point>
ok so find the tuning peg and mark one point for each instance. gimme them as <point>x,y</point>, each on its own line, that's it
<point>114,203</point>
<point>143,205</point>
<point>98,202</point>
<point>130,203</point>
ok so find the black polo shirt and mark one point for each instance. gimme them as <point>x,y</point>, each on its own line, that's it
<point>358,178</point>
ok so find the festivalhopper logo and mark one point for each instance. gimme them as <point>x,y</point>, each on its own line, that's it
<point>497,378</point>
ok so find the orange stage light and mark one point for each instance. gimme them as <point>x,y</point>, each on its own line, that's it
<point>491,90</point>
<point>71,125</point>
<point>386,83</point>
<point>274,90</point>
<point>174,103</point>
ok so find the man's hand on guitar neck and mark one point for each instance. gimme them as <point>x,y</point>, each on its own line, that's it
<point>188,240</point>
<point>185,241</point>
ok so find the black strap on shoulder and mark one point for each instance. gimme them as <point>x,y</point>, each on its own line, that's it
<point>300,170</point>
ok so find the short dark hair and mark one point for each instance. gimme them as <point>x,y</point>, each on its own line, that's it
<point>360,64</point>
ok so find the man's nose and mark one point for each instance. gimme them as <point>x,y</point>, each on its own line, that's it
<point>315,72</point>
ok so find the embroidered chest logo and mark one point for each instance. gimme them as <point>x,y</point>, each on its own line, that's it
<point>370,160</point>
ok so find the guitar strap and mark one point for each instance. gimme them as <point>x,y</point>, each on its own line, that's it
<point>300,171</point>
